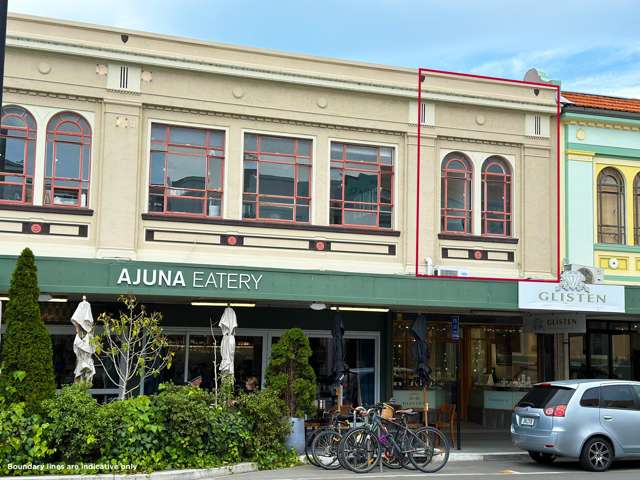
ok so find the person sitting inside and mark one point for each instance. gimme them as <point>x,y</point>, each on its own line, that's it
<point>251,385</point>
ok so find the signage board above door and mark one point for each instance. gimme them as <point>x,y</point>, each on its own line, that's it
<point>549,323</point>
<point>571,294</point>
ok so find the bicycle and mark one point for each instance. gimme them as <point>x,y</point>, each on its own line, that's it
<point>360,449</point>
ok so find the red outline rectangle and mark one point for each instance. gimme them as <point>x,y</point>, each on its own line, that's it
<point>498,79</point>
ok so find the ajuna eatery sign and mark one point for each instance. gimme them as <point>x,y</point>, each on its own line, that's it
<point>179,278</point>
<point>571,294</point>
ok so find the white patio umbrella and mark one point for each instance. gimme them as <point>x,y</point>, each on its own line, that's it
<point>228,325</point>
<point>82,320</point>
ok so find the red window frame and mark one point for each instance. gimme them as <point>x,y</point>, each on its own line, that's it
<point>208,150</point>
<point>55,137</point>
<point>449,174</point>
<point>27,134</point>
<point>296,163</point>
<point>341,166</point>
<point>504,216</point>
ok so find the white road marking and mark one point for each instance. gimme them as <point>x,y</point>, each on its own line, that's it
<point>439,474</point>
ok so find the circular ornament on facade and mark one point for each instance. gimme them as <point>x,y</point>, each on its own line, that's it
<point>36,228</point>
<point>581,134</point>
<point>613,263</point>
<point>44,68</point>
<point>322,102</point>
<point>320,245</point>
<point>480,120</point>
<point>477,254</point>
<point>232,240</point>
<point>238,92</point>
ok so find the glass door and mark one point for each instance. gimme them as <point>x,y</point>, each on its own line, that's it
<point>599,353</point>
<point>621,356</point>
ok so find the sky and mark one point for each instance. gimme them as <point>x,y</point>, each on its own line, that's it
<point>589,45</point>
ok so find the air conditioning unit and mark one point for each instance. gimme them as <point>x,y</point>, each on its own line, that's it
<point>450,272</point>
<point>592,275</point>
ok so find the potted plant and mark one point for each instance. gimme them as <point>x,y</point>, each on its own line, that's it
<point>291,375</point>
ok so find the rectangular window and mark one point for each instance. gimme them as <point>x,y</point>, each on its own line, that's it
<point>186,171</point>
<point>361,185</point>
<point>277,178</point>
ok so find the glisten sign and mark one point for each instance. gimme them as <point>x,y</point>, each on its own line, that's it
<point>571,294</point>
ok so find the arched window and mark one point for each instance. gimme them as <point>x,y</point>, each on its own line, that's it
<point>496,197</point>
<point>455,197</point>
<point>636,206</point>
<point>611,224</point>
<point>68,161</point>
<point>17,155</point>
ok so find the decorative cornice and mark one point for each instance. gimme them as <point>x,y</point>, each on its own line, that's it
<point>603,124</point>
<point>287,121</point>
<point>39,93</point>
<point>479,141</point>
<point>94,51</point>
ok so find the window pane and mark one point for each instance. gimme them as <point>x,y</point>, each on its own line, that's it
<point>185,171</point>
<point>495,228</point>
<point>275,212</point>
<point>187,136</point>
<point>495,196</point>
<point>66,197</point>
<point>157,168</point>
<point>67,160</point>
<point>158,133</point>
<point>277,145</point>
<point>455,224</point>
<point>361,187</point>
<point>250,176</point>
<point>302,214</point>
<point>609,208</point>
<point>386,155</point>
<point>11,193</point>
<point>617,396</point>
<point>12,153</point>
<point>362,153</point>
<point>303,181</point>
<point>214,207</point>
<point>185,205</point>
<point>455,193</point>
<point>250,142</point>
<point>360,218</point>
<point>304,147</point>
<point>336,184</point>
<point>591,398</point>
<point>276,179</point>
<point>216,139</point>
<point>215,173</point>
<point>599,355</point>
<point>336,151</point>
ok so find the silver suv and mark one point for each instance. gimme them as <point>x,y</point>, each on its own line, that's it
<point>595,421</point>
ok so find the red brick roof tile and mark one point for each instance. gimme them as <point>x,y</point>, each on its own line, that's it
<point>603,102</point>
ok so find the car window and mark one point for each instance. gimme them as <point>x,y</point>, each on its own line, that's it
<point>591,398</point>
<point>637,389</point>
<point>542,396</point>
<point>617,396</point>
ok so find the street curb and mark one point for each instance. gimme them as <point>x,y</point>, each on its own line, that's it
<point>194,474</point>
<point>485,457</point>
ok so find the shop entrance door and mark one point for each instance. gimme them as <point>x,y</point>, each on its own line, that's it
<point>621,366</point>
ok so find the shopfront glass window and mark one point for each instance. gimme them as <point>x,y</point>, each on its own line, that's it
<point>577,357</point>
<point>504,356</point>
<point>174,374</point>
<point>360,356</point>
<point>186,171</point>
<point>361,185</point>
<point>599,352</point>
<point>64,360</point>
<point>277,178</point>
<point>621,357</point>
<point>248,359</point>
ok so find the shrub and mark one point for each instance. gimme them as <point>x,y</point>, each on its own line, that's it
<point>268,428</point>
<point>76,429</point>
<point>22,435</point>
<point>26,345</point>
<point>198,434</point>
<point>290,373</point>
<point>133,434</point>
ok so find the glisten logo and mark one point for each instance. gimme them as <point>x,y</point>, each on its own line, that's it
<point>572,289</point>
<point>572,281</point>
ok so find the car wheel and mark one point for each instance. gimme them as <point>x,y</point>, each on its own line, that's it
<point>543,458</point>
<point>597,455</point>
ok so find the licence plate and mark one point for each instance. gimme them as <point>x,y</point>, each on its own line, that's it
<point>527,421</point>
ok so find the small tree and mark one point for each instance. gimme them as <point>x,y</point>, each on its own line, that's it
<point>131,347</point>
<point>26,345</point>
<point>290,374</point>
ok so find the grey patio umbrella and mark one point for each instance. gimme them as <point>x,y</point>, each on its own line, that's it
<point>82,320</point>
<point>228,325</point>
<point>421,351</point>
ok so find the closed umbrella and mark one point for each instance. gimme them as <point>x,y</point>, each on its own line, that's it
<point>228,325</point>
<point>340,368</point>
<point>82,320</point>
<point>421,356</point>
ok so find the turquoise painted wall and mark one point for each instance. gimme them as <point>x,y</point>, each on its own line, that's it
<point>580,205</point>
<point>605,137</point>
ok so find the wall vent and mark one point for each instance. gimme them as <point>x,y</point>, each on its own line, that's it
<point>427,114</point>
<point>124,78</point>
<point>537,125</point>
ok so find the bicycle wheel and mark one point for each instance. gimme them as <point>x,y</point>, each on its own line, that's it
<point>307,447</point>
<point>324,449</point>
<point>428,449</point>
<point>359,450</point>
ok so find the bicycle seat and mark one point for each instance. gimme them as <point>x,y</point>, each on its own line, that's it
<point>408,411</point>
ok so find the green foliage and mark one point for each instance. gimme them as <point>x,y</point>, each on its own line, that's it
<point>131,345</point>
<point>133,434</point>
<point>26,345</point>
<point>268,429</point>
<point>76,429</point>
<point>22,435</point>
<point>290,373</point>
